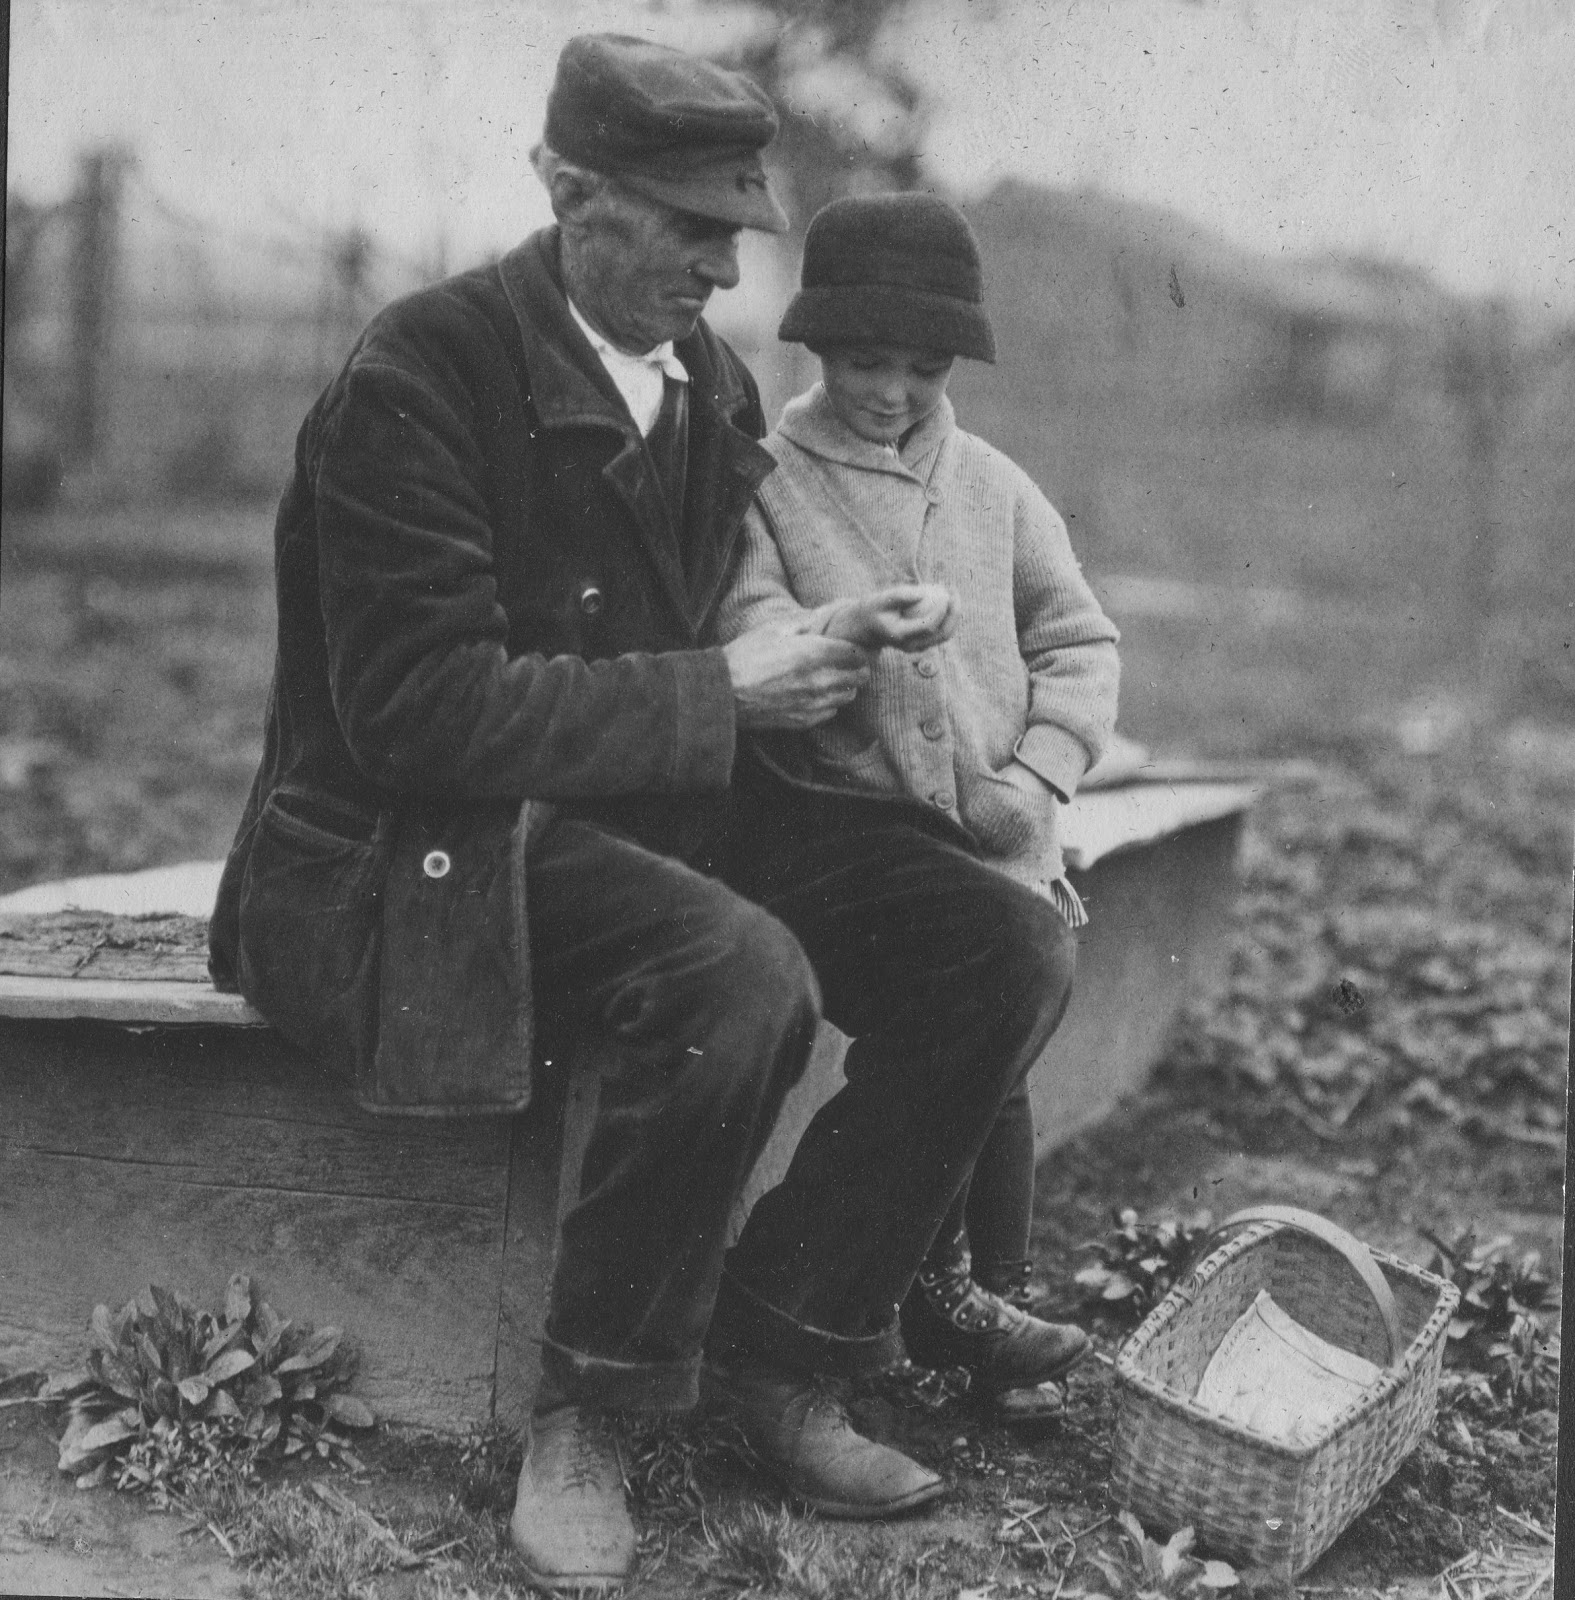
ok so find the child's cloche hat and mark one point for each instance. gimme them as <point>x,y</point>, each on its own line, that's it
<point>893,268</point>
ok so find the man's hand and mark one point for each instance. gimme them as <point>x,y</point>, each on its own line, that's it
<point>905,616</point>
<point>792,680</point>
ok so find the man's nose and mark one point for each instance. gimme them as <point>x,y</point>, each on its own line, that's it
<point>717,263</point>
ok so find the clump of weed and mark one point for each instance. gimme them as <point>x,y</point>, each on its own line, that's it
<point>1148,1570</point>
<point>1502,1366</point>
<point>1138,1263</point>
<point>172,1397</point>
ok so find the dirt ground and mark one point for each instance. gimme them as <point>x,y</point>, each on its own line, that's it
<point>1428,870</point>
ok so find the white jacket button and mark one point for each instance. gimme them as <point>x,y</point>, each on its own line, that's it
<point>436,864</point>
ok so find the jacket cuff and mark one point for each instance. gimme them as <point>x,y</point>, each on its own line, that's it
<point>1054,755</point>
<point>705,736</point>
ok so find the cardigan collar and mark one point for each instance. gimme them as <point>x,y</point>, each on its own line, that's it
<point>809,422</point>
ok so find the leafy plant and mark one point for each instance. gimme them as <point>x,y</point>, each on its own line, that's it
<point>1166,1571</point>
<point>1495,1335</point>
<point>172,1396</point>
<point>1139,1263</point>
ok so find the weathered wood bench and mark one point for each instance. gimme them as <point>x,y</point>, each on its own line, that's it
<point>154,1130</point>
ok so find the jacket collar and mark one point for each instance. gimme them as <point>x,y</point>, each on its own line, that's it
<point>809,422</point>
<point>569,385</point>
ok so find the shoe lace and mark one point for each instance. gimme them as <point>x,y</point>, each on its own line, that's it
<point>590,1444</point>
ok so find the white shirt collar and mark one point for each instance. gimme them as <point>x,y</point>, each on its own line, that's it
<point>638,378</point>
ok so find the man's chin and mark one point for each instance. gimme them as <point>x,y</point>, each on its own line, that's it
<point>686,315</point>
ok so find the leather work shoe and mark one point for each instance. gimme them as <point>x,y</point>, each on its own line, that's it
<point>948,1320</point>
<point>571,1525</point>
<point>803,1435</point>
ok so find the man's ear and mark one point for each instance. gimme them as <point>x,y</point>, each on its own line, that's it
<point>575,193</point>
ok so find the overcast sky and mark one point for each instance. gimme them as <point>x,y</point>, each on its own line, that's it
<point>1435,132</point>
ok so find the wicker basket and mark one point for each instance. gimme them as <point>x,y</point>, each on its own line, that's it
<point>1248,1496</point>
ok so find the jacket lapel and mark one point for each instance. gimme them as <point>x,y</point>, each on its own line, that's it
<point>570,387</point>
<point>726,466</point>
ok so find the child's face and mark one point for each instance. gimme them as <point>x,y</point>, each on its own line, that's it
<point>882,390</point>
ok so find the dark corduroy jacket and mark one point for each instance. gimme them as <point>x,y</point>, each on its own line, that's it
<point>482,611</point>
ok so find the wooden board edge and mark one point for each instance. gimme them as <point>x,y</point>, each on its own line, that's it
<point>149,1002</point>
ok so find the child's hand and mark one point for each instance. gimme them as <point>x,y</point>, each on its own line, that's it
<point>1024,779</point>
<point>906,616</point>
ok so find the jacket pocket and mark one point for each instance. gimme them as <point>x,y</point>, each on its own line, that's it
<point>454,1012</point>
<point>310,922</point>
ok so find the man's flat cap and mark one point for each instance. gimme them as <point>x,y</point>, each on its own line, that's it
<point>669,125</point>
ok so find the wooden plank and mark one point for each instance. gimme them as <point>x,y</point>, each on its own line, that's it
<point>544,1183</point>
<point>414,1286</point>
<point>179,1158</point>
<point>188,888</point>
<point>151,1003</point>
<point>822,1078</point>
<point>1159,930</point>
<point>225,1109</point>
<point>1099,823</point>
<point>104,945</point>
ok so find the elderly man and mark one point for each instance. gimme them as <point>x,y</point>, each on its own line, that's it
<point>495,798</point>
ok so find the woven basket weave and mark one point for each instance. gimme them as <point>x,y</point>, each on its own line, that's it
<point>1248,1496</point>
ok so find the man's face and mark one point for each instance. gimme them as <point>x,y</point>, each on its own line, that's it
<point>882,390</point>
<point>647,270</point>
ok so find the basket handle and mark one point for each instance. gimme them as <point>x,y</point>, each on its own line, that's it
<point>1356,1254</point>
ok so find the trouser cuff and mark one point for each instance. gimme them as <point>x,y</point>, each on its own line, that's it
<point>577,1378</point>
<point>746,1327</point>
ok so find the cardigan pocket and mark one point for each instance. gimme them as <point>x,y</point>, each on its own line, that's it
<point>1006,820</point>
<point>851,754</point>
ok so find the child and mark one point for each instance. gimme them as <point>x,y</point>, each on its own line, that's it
<point>993,682</point>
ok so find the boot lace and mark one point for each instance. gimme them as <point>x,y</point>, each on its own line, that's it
<point>952,1293</point>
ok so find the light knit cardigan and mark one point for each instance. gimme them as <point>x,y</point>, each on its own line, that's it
<point>1031,671</point>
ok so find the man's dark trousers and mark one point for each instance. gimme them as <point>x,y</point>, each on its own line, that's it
<point>708,978</point>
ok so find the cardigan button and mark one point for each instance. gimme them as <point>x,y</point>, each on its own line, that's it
<point>942,798</point>
<point>933,728</point>
<point>591,600</point>
<point>436,864</point>
<point>925,667</point>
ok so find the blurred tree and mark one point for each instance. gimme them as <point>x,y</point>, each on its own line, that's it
<point>852,117</point>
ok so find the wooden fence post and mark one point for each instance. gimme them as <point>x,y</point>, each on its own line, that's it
<point>95,246</point>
